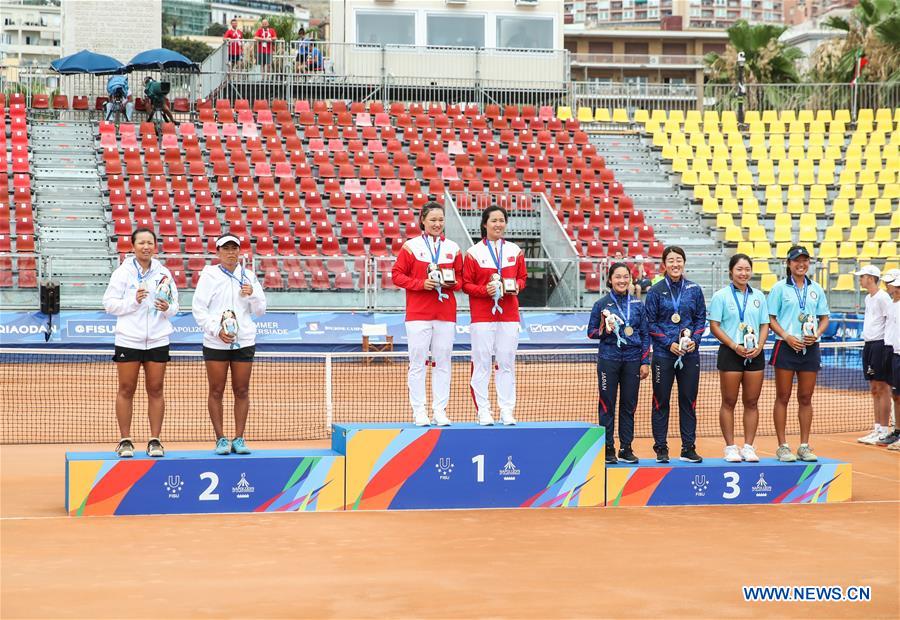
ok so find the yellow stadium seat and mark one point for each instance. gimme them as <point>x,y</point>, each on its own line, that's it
<point>859,233</point>
<point>845,282</point>
<point>796,191</point>
<point>751,116</point>
<point>827,250</point>
<point>861,206</point>
<point>777,152</point>
<point>729,118</point>
<point>866,220</point>
<point>769,117</point>
<point>679,165</point>
<point>724,220</point>
<point>750,205</point>
<point>882,233</point>
<point>710,206</point>
<point>786,173</point>
<point>808,235</point>
<point>865,115</point>
<point>585,115</point>
<point>744,247</point>
<point>869,249</point>
<point>710,117</point>
<point>768,281</point>
<point>660,139</point>
<point>818,192</point>
<point>895,219</point>
<point>676,115</point>
<point>796,205</point>
<point>640,116</point>
<point>620,115</point>
<point>658,115</point>
<point>733,234</point>
<point>840,205</point>
<point>842,115</point>
<point>774,205</point>
<point>891,191</point>
<point>693,116</point>
<point>834,233</point>
<point>762,250</point>
<point>841,219</point>
<point>757,233</point>
<point>808,220</point>
<point>783,228</point>
<point>805,116</point>
<point>744,176</point>
<point>781,249</point>
<point>730,205</point>
<point>882,206</point>
<point>601,115</point>
<point>563,112</point>
<point>888,249</point>
<point>816,205</point>
<point>707,177</point>
<point>701,192</point>
<point>689,177</point>
<point>726,177</point>
<point>847,249</point>
<point>806,174</point>
<point>787,116</point>
<point>847,177</point>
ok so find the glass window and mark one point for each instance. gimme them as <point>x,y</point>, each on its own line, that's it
<point>385,28</point>
<point>525,32</point>
<point>456,30</point>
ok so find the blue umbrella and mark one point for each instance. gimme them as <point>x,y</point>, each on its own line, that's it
<point>87,62</point>
<point>161,59</point>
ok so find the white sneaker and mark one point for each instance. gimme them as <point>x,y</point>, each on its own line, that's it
<point>420,418</point>
<point>869,439</point>
<point>732,455</point>
<point>507,418</point>
<point>749,454</point>
<point>441,419</point>
<point>485,418</point>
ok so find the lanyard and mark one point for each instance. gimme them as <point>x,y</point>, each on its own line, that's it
<point>801,301</point>
<point>742,309</point>
<point>232,276</point>
<point>141,277</point>
<point>436,255</point>
<point>675,300</point>
<point>626,316</point>
<point>498,257</point>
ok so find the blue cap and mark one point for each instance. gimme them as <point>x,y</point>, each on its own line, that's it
<point>798,251</point>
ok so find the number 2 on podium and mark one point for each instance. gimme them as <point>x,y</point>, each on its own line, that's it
<point>478,459</point>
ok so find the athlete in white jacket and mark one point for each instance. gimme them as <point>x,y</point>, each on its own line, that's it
<point>143,297</point>
<point>227,297</point>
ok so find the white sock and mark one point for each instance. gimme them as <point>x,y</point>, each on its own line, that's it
<point>804,445</point>
<point>731,446</point>
<point>877,427</point>
<point>748,445</point>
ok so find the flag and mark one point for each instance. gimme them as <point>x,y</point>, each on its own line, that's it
<point>861,62</point>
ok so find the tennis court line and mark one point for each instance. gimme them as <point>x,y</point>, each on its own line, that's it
<point>415,510</point>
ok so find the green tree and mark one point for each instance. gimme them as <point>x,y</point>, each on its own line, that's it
<point>195,50</point>
<point>216,30</point>
<point>285,26</point>
<point>873,30</point>
<point>767,60</point>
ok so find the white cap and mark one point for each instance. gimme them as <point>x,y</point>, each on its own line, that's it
<point>868,270</point>
<point>891,276</point>
<point>227,238</point>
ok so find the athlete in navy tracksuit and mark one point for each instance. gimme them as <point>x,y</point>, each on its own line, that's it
<point>673,305</point>
<point>620,368</point>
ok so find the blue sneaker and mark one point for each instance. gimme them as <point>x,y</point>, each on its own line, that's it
<point>223,446</point>
<point>238,446</point>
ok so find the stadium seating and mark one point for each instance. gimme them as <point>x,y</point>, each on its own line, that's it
<point>349,184</point>
<point>17,227</point>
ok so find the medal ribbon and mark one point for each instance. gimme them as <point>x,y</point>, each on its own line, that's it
<point>233,277</point>
<point>742,309</point>
<point>141,277</point>
<point>801,301</point>
<point>625,316</point>
<point>675,300</point>
<point>436,255</point>
<point>496,257</point>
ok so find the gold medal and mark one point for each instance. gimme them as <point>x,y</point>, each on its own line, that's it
<point>629,330</point>
<point>676,318</point>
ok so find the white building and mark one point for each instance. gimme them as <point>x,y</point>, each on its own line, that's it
<point>223,11</point>
<point>117,29</point>
<point>30,34</point>
<point>809,34</point>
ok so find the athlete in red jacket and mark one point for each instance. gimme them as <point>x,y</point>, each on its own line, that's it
<point>493,274</point>
<point>429,267</point>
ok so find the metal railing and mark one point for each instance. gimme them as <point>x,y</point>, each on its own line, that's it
<point>640,60</point>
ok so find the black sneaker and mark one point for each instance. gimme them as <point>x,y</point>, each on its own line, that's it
<point>627,456</point>
<point>689,454</point>
<point>155,448</point>
<point>662,454</point>
<point>125,449</point>
<point>611,455</point>
<point>888,439</point>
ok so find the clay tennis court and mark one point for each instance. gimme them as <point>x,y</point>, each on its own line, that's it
<point>604,562</point>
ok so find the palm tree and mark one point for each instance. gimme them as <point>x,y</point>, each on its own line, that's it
<point>767,60</point>
<point>873,30</point>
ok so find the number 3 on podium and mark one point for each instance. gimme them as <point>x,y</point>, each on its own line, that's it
<point>478,459</point>
<point>731,483</point>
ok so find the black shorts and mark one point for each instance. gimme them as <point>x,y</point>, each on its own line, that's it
<point>264,58</point>
<point>729,361</point>
<point>785,357</point>
<point>876,364</point>
<point>233,58</point>
<point>244,354</point>
<point>895,371</point>
<point>159,355</point>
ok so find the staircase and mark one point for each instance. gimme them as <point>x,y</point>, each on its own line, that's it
<point>675,221</point>
<point>73,236</point>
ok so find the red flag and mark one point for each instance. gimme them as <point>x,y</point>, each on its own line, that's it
<point>861,62</point>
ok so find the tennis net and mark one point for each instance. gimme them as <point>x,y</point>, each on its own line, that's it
<point>68,396</point>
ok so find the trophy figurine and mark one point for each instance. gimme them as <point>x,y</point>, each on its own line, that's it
<point>230,326</point>
<point>435,275</point>
<point>498,293</point>
<point>684,341</point>
<point>750,341</point>
<point>613,326</point>
<point>810,324</point>
<point>163,291</point>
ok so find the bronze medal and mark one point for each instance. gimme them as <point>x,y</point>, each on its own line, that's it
<point>629,330</point>
<point>676,318</point>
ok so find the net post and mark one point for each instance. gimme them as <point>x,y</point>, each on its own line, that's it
<point>329,395</point>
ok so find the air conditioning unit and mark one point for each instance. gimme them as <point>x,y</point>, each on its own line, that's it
<point>526,2</point>
<point>653,60</point>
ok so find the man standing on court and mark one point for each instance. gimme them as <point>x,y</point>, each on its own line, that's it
<point>876,366</point>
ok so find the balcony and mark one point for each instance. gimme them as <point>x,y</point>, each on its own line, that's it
<point>644,61</point>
